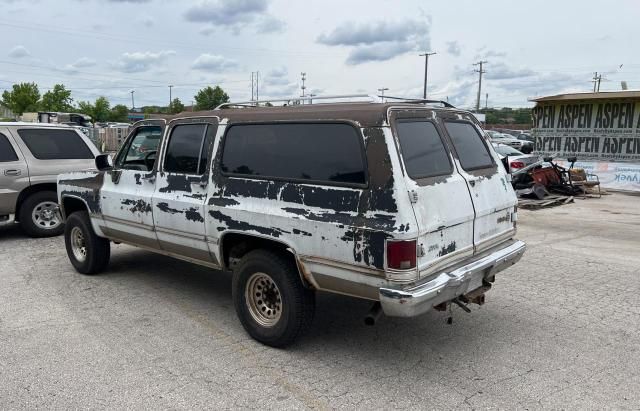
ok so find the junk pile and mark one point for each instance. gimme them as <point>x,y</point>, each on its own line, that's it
<point>545,183</point>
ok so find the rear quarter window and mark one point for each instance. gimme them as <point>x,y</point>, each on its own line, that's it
<point>423,152</point>
<point>315,152</point>
<point>53,144</point>
<point>472,152</point>
<point>6,150</point>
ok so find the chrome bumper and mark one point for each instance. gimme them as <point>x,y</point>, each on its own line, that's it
<point>418,299</point>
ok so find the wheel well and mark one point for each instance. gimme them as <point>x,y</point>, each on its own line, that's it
<point>235,246</point>
<point>71,205</point>
<point>24,194</point>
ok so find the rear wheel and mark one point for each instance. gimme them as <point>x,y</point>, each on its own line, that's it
<point>40,215</point>
<point>272,304</point>
<point>88,253</point>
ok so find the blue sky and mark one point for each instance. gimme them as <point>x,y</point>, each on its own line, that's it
<point>109,47</point>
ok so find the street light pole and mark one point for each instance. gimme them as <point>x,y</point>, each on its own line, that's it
<point>133,104</point>
<point>170,100</point>
<point>426,70</point>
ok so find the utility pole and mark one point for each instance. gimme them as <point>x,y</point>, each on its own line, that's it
<point>596,82</point>
<point>480,72</point>
<point>133,104</point>
<point>304,78</point>
<point>486,101</point>
<point>311,95</point>
<point>426,70</point>
<point>170,100</point>
<point>252,86</point>
<point>382,90</point>
<point>257,85</point>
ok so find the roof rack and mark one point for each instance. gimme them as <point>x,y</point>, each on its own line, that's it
<point>420,101</point>
<point>293,100</point>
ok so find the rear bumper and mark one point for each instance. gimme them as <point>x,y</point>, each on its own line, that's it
<point>418,299</point>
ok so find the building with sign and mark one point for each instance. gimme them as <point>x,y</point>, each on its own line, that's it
<point>601,129</point>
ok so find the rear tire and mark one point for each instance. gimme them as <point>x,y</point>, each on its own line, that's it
<point>88,253</point>
<point>270,300</point>
<point>40,215</point>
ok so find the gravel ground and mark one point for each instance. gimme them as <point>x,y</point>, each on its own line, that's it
<point>561,329</point>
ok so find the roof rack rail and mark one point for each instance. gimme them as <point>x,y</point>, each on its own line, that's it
<point>420,101</point>
<point>293,100</point>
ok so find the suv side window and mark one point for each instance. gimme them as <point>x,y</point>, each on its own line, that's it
<point>422,149</point>
<point>472,151</point>
<point>145,141</point>
<point>7,153</point>
<point>326,153</point>
<point>187,150</point>
<point>55,144</point>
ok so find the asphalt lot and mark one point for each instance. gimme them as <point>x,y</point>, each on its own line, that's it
<point>559,330</point>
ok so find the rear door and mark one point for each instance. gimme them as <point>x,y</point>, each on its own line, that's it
<point>492,195</point>
<point>181,188</point>
<point>441,200</point>
<point>14,174</point>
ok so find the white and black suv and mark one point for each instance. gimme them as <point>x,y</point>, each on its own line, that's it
<point>403,204</point>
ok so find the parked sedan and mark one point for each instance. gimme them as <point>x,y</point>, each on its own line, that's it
<point>513,159</point>
<point>522,145</point>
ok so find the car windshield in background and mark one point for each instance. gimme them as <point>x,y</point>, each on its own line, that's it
<point>507,151</point>
<point>422,149</point>
<point>55,144</point>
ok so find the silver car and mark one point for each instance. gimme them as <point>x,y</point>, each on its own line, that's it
<point>502,138</point>
<point>513,159</point>
<point>31,157</point>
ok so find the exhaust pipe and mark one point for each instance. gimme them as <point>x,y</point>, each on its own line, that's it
<point>374,314</point>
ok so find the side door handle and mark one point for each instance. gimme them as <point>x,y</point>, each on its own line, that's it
<point>12,172</point>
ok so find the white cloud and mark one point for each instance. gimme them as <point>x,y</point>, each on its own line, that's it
<point>378,41</point>
<point>141,61</point>
<point>213,62</point>
<point>234,15</point>
<point>147,21</point>
<point>19,52</point>
<point>453,48</point>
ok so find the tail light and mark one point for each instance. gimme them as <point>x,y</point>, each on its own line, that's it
<point>401,255</point>
<point>517,164</point>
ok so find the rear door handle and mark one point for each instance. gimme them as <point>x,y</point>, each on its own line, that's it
<point>12,172</point>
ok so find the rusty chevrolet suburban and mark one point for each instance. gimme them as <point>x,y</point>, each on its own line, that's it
<point>404,204</point>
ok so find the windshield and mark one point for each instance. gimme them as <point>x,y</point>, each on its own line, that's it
<point>507,151</point>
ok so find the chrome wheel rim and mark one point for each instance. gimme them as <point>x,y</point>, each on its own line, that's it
<point>46,215</point>
<point>263,299</point>
<point>78,246</point>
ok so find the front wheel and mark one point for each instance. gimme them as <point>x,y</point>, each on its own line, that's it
<point>88,253</point>
<point>272,304</point>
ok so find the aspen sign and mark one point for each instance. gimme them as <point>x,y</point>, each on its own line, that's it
<point>603,134</point>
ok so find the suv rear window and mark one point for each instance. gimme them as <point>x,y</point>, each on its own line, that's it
<point>472,151</point>
<point>317,152</point>
<point>422,149</point>
<point>6,150</point>
<point>53,144</point>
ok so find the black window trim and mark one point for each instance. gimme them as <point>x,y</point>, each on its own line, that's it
<point>13,149</point>
<point>444,145</point>
<point>482,139</point>
<point>167,140</point>
<point>357,129</point>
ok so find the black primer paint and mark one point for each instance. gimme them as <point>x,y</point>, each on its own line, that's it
<point>138,206</point>
<point>244,226</point>
<point>448,249</point>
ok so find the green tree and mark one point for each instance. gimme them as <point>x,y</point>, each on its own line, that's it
<point>209,98</point>
<point>176,106</point>
<point>57,99</point>
<point>119,113</point>
<point>99,111</point>
<point>22,98</point>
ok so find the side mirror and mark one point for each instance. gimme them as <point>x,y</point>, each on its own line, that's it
<point>104,162</point>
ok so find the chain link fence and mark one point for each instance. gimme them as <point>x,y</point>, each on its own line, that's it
<point>108,140</point>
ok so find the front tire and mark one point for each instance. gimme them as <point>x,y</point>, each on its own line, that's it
<point>88,253</point>
<point>270,300</point>
<point>40,215</point>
